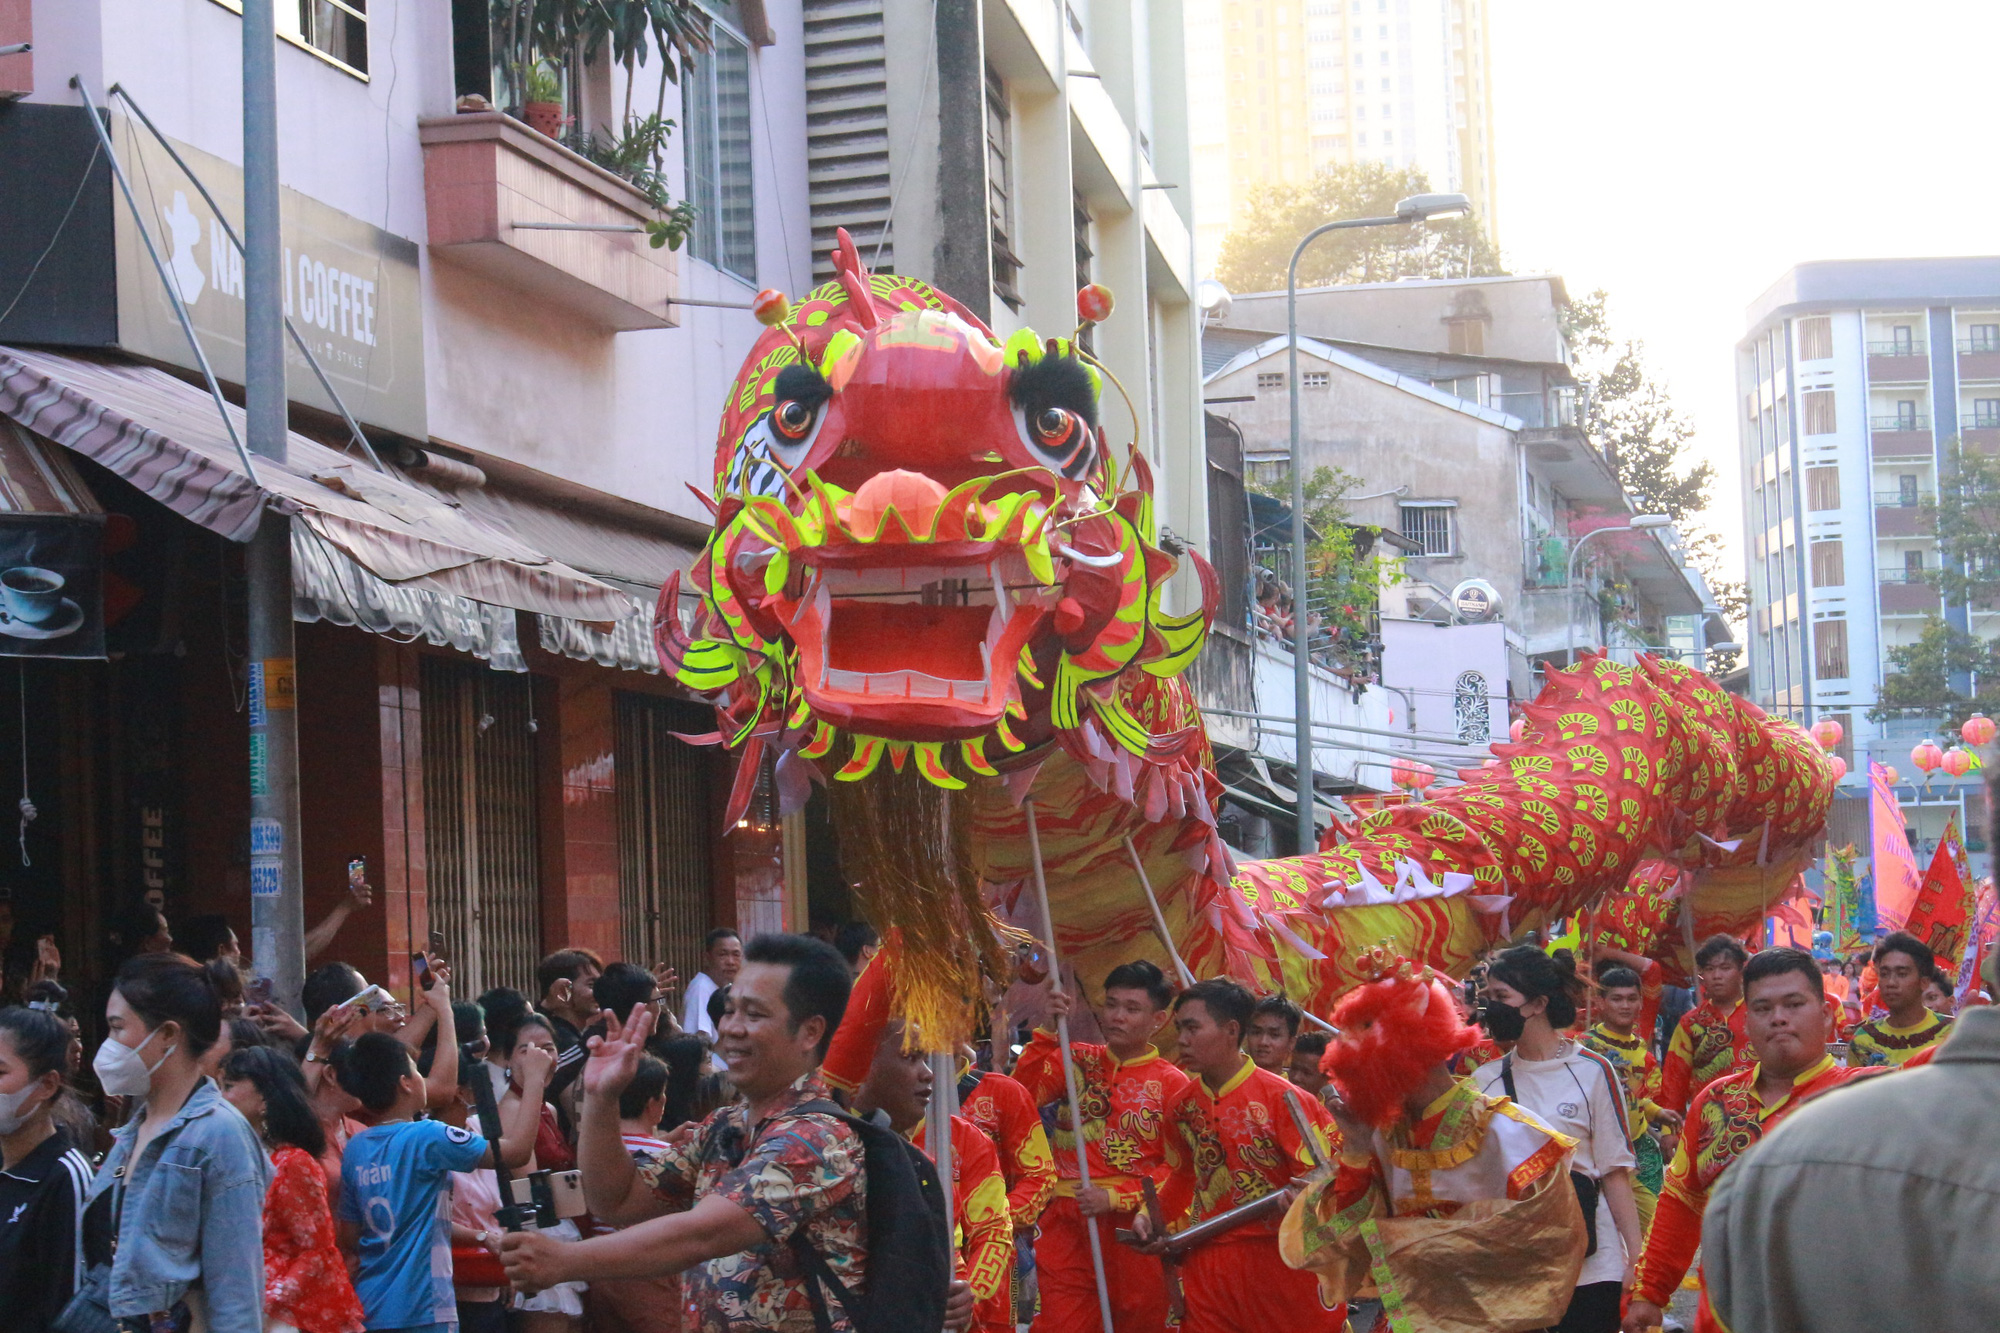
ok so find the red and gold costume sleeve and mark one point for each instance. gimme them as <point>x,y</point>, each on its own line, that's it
<point>1677,1071</point>
<point>1238,1143</point>
<point>985,1233</point>
<point>1004,1111</point>
<point>1675,1234</point>
<point>1125,1114</point>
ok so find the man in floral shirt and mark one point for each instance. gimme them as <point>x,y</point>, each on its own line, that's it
<point>724,1205</point>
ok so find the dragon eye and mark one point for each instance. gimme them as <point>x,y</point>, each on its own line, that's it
<point>1052,423</point>
<point>793,419</point>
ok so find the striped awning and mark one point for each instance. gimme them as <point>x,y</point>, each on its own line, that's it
<point>165,437</point>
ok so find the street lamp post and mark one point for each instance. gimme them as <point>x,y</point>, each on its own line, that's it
<point>1639,523</point>
<point>1416,208</point>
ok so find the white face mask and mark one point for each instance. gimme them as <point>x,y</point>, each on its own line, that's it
<point>13,1114</point>
<point>122,1071</point>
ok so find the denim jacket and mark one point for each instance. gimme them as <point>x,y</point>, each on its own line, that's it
<point>193,1212</point>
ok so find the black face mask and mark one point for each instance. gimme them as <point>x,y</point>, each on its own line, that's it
<point>1503,1022</point>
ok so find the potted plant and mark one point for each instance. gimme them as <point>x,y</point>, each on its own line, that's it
<point>542,104</point>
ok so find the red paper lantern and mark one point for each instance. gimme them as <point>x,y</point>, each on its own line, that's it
<point>770,306</point>
<point>1978,729</point>
<point>1839,766</point>
<point>1412,773</point>
<point>1093,303</point>
<point>1926,755</point>
<point>1957,762</point>
<point>1890,775</point>
<point>1827,732</point>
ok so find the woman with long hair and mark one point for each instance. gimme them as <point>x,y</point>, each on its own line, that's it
<point>1531,999</point>
<point>42,1175</point>
<point>306,1287</point>
<point>174,1220</point>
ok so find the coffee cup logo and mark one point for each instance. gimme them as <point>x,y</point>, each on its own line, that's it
<point>32,595</point>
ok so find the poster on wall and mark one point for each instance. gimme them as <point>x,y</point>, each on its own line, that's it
<point>50,586</point>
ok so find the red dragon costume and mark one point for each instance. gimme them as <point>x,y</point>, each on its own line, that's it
<point>928,567</point>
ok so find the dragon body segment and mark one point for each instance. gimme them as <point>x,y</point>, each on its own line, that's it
<point>926,559</point>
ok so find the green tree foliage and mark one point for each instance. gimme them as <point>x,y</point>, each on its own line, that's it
<point>1346,586</point>
<point>1967,520</point>
<point>1257,251</point>
<point>1648,442</point>
<point>1919,680</point>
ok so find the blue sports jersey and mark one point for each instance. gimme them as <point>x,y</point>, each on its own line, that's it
<point>395,1185</point>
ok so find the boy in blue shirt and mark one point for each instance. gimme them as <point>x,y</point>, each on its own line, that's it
<point>395,1183</point>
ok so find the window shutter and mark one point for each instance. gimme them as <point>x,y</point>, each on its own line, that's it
<point>1830,649</point>
<point>1815,338</point>
<point>1822,488</point>
<point>1819,416</point>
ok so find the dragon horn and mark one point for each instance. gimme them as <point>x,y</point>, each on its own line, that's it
<point>670,637</point>
<point>853,275</point>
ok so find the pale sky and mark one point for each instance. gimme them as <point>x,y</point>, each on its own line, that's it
<point>1683,157</point>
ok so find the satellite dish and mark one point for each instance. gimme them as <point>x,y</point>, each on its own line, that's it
<point>1213,298</point>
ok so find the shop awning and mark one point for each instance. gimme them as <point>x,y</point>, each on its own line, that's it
<point>164,437</point>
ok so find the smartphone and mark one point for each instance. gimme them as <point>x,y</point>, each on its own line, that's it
<point>420,968</point>
<point>566,1193</point>
<point>257,990</point>
<point>357,871</point>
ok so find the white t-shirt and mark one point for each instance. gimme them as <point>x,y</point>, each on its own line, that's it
<point>1578,1094</point>
<point>694,1011</point>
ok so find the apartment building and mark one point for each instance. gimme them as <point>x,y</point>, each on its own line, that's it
<point>482,721</point>
<point>1854,379</point>
<point>1453,406</point>
<point>1296,85</point>
<point>1010,152</point>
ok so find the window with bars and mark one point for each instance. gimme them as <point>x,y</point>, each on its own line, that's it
<point>1270,379</point>
<point>1822,488</point>
<point>1815,338</point>
<point>1830,649</point>
<point>480,841</point>
<point>1000,189</point>
<point>1429,526</point>
<point>715,104</point>
<point>666,819</point>
<point>1316,379</point>
<point>1829,568</point>
<point>1817,408</point>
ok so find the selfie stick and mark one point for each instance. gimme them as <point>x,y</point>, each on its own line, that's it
<point>511,1216</point>
<point>1069,1068</point>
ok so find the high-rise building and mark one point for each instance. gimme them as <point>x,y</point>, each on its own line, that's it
<point>1854,379</point>
<point>1289,87</point>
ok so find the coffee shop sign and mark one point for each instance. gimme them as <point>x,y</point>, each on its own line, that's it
<point>350,289</point>
<point>317,294</point>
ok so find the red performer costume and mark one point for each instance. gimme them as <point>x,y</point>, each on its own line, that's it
<point>1727,1119</point>
<point>983,1234</point>
<point>1124,1105</point>
<point>1706,1044</point>
<point>1234,1145</point>
<point>1002,1109</point>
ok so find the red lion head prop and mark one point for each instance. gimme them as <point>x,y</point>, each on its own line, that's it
<point>1395,1028</point>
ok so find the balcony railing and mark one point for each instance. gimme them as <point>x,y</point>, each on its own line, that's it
<point>1896,349</point>
<point>1903,576</point>
<point>1977,421</point>
<point>1903,499</point>
<point>1975,345</point>
<point>1899,422</point>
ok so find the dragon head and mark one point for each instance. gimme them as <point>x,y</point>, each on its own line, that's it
<point>922,546</point>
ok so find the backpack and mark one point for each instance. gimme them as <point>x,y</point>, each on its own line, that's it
<point>910,1260</point>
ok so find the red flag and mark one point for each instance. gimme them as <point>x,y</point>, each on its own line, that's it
<point>1938,915</point>
<point>1893,867</point>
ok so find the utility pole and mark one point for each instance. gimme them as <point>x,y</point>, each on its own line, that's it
<point>277,890</point>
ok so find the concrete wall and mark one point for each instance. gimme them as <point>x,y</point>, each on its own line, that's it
<point>1524,314</point>
<point>632,414</point>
